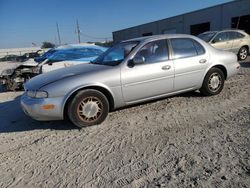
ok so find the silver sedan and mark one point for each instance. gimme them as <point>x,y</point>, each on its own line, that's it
<point>131,72</point>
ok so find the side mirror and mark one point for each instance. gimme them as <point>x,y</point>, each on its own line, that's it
<point>136,61</point>
<point>139,60</point>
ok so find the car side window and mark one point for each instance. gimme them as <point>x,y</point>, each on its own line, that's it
<point>221,37</point>
<point>154,52</point>
<point>238,35</point>
<point>231,35</point>
<point>184,47</point>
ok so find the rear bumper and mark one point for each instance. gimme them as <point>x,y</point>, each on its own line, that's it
<point>233,69</point>
<point>34,108</point>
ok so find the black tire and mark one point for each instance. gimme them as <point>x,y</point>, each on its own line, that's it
<point>213,82</point>
<point>243,53</point>
<point>93,103</point>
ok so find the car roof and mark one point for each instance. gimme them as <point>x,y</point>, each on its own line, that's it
<point>80,46</point>
<point>230,30</point>
<point>207,32</point>
<point>224,30</point>
<point>162,36</point>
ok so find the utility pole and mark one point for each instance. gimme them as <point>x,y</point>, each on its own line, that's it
<point>78,31</point>
<point>58,33</point>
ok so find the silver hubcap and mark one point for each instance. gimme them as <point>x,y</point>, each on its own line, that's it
<point>89,109</point>
<point>214,82</point>
<point>243,53</point>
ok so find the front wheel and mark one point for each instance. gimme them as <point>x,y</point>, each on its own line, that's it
<point>89,107</point>
<point>242,54</point>
<point>213,82</point>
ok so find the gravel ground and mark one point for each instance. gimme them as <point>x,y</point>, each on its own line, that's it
<point>182,141</point>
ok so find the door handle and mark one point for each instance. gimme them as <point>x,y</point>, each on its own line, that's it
<point>166,67</point>
<point>202,61</point>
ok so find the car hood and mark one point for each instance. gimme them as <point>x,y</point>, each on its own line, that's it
<point>53,76</point>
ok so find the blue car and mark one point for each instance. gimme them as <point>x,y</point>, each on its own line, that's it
<point>71,56</point>
<point>53,59</point>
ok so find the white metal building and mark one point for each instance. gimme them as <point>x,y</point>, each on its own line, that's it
<point>235,14</point>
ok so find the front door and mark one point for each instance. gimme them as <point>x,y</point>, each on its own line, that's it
<point>153,78</point>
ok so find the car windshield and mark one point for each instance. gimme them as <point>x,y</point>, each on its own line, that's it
<point>115,55</point>
<point>45,55</point>
<point>206,36</point>
<point>74,53</point>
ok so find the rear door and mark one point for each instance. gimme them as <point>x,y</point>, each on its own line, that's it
<point>238,41</point>
<point>190,62</point>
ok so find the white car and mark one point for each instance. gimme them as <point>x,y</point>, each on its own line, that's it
<point>234,40</point>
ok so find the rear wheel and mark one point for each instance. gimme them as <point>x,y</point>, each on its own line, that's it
<point>213,82</point>
<point>242,54</point>
<point>88,107</point>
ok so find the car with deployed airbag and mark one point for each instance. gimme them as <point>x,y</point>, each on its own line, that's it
<point>16,75</point>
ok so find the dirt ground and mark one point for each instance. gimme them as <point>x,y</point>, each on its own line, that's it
<point>182,141</point>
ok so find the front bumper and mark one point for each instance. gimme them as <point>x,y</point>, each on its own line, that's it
<point>2,80</point>
<point>34,108</point>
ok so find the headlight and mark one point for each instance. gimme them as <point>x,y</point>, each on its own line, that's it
<point>31,94</point>
<point>36,69</point>
<point>37,94</point>
<point>7,72</point>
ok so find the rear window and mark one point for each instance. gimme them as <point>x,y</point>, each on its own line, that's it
<point>238,35</point>
<point>199,48</point>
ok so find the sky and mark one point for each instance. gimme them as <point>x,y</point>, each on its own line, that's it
<point>23,22</point>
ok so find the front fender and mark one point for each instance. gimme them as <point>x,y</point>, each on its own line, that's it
<point>114,92</point>
<point>90,85</point>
